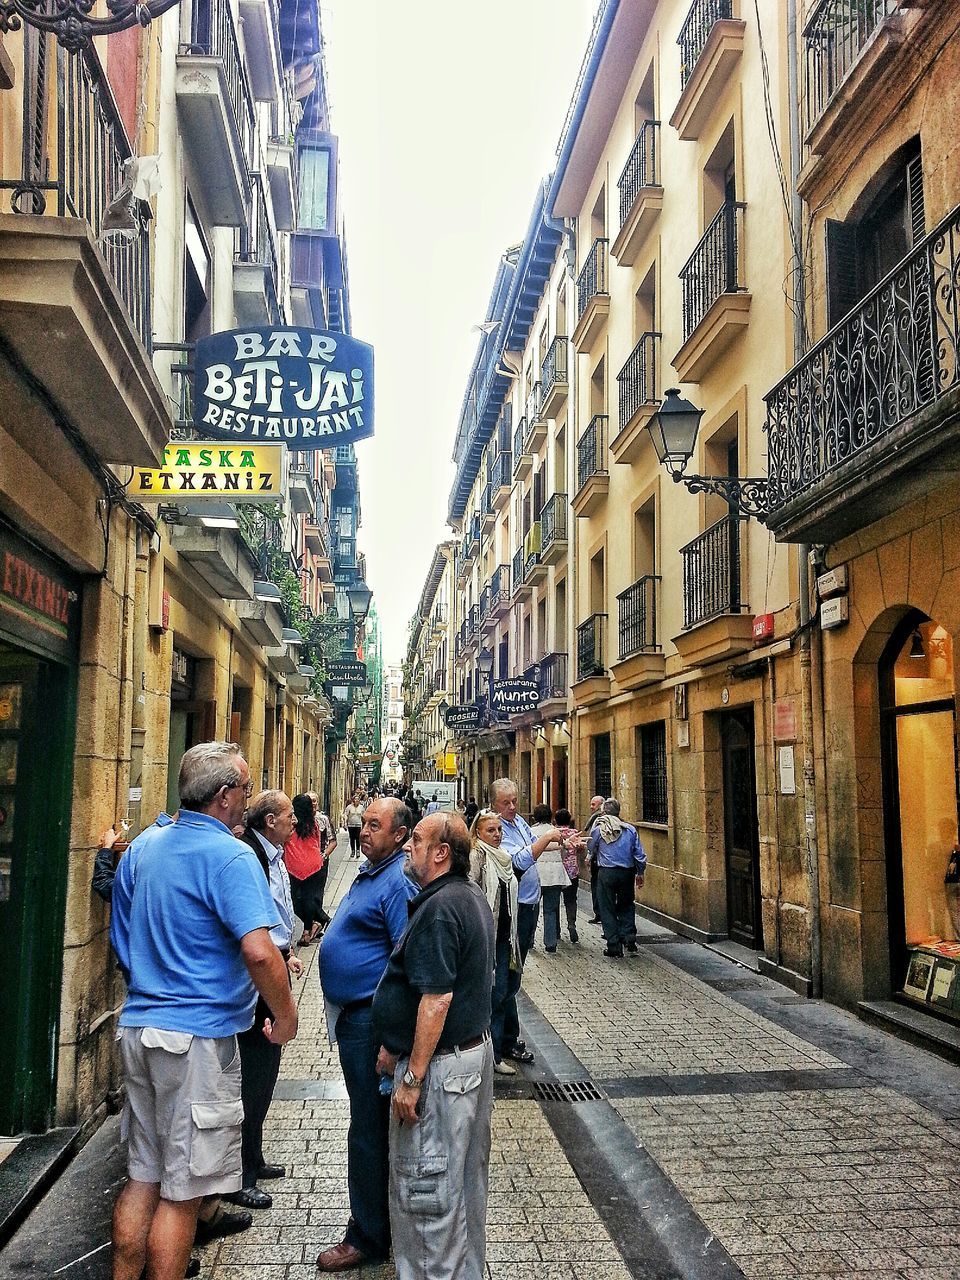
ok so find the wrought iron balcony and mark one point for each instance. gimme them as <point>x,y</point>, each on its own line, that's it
<point>257,293</point>
<point>519,564</point>
<point>500,586</point>
<point>592,280</point>
<point>472,621</point>
<point>637,616</point>
<point>503,435</point>
<point>835,36</point>
<point>501,474</point>
<point>213,34</point>
<point>519,443</point>
<point>714,266</point>
<point>438,618</point>
<point>711,572</point>
<point>553,372</point>
<point>592,450</point>
<point>590,647</point>
<point>553,678</point>
<point>531,550</point>
<point>179,364</point>
<point>637,379</point>
<point>696,30</point>
<point>642,168</point>
<point>873,400</point>
<point>553,522</point>
<point>486,599</point>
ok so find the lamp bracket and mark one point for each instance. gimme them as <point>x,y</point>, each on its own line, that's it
<point>70,20</point>
<point>749,493</point>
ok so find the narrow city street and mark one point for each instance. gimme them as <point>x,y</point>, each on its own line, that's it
<point>685,1118</point>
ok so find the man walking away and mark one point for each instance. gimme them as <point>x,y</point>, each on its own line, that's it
<point>621,862</point>
<point>191,928</point>
<point>353,955</point>
<point>432,1012</point>
<point>595,803</point>
<point>270,821</point>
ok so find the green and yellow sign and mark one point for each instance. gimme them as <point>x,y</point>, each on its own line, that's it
<point>193,469</point>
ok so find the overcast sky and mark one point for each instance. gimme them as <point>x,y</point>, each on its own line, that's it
<point>448,116</point>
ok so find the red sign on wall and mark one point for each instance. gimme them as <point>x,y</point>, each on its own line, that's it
<point>762,627</point>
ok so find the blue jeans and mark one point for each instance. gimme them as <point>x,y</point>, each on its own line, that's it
<point>368,1170</point>
<point>528,913</point>
<point>551,911</point>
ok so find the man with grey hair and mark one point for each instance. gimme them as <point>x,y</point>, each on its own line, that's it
<point>622,863</point>
<point>524,849</point>
<point>191,928</point>
<point>270,821</point>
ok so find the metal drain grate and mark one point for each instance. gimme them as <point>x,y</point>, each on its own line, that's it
<point>567,1091</point>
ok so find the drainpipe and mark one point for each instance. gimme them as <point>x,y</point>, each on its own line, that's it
<point>138,717</point>
<point>812,844</point>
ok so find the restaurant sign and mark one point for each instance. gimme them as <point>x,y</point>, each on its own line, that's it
<point>464,718</point>
<point>346,674</point>
<point>39,598</point>
<point>305,388</point>
<point>197,469</point>
<point>515,695</point>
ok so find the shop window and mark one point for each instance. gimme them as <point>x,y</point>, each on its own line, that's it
<point>652,751</point>
<point>920,792</point>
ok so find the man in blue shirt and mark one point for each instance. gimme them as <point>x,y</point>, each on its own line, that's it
<point>191,928</point>
<point>524,849</point>
<point>621,864</point>
<point>356,946</point>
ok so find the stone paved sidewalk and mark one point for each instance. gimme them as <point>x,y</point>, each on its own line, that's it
<point>793,1161</point>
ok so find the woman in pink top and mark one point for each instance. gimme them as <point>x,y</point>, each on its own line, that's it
<point>304,860</point>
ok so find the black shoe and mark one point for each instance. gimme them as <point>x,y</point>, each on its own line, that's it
<point>614,955</point>
<point>594,920</point>
<point>250,1198</point>
<point>268,1171</point>
<point>551,951</point>
<point>574,936</point>
<point>518,1053</point>
<point>223,1223</point>
<point>632,948</point>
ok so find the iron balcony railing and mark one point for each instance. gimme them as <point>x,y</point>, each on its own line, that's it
<point>895,353</point>
<point>711,572</point>
<point>73,156</point>
<point>553,677</point>
<point>503,436</point>
<point>714,266</point>
<point>520,441</point>
<point>255,243</point>
<point>213,34</point>
<point>439,615</point>
<point>486,602</point>
<point>642,168</point>
<point>553,521</point>
<point>695,32</point>
<point>637,380</point>
<point>502,474</point>
<point>181,380</point>
<point>486,500</point>
<point>835,36</point>
<point>531,548</point>
<point>592,280</point>
<point>592,450</point>
<point>500,584</point>
<point>554,368</point>
<point>534,405</point>
<point>519,564</point>
<point>590,647</point>
<point>473,620</point>
<point>637,616</point>
<point>263,536</point>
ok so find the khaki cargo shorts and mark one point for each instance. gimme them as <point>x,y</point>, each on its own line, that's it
<point>183,1113</point>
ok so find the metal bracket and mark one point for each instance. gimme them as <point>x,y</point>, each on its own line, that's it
<point>749,494</point>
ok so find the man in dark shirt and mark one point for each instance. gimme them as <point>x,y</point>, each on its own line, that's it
<point>432,1014</point>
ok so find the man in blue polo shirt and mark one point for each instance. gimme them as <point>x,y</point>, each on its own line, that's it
<point>191,929</point>
<point>356,946</point>
<point>524,849</point>
<point>621,865</point>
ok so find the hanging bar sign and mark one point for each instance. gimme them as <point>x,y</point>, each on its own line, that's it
<point>351,674</point>
<point>465,717</point>
<point>305,388</point>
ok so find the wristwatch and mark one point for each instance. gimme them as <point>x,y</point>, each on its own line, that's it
<point>412,1081</point>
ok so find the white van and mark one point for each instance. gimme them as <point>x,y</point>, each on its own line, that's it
<point>445,793</point>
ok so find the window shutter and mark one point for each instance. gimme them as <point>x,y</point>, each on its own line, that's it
<point>842,291</point>
<point>915,210</point>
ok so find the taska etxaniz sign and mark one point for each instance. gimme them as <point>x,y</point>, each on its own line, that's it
<point>305,388</point>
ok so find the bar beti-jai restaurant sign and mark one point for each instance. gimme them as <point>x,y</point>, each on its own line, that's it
<point>305,388</point>
<point>211,469</point>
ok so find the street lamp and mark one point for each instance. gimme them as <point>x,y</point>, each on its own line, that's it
<point>485,663</point>
<point>673,430</point>
<point>359,596</point>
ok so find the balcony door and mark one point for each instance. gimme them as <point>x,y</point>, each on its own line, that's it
<point>740,828</point>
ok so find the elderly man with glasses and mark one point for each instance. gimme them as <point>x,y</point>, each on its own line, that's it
<point>192,914</point>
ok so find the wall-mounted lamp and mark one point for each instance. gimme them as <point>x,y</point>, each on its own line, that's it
<point>673,430</point>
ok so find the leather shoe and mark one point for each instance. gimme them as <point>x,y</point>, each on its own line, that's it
<point>341,1257</point>
<point>268,1171</point>
<point>250,1198</point>
<point>518,1054</point>
<point>632,948</point>
<point>614,955</point>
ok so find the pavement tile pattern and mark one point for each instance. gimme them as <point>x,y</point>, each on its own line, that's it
<point>793,1176</point>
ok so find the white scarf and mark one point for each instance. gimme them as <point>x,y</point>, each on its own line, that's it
<point>496,872</point>
<point>610,827</point>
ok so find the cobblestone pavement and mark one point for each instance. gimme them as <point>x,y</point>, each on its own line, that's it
<point>786,1160</point>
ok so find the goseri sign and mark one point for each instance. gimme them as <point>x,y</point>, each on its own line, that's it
<point>465,717</point>
<point>211,469</point>
<point>307,388</point>
<point>515,695</point>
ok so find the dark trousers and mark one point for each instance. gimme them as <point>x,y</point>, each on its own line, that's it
<point>528,913</point>
<point>259,1068</point>
<point>616,895</point>
<point>552,895</point>
<point>354,834</point>
<point>595,887</point>
<point>368,1168</point>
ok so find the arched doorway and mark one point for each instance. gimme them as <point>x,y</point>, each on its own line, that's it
<point>919,756</point>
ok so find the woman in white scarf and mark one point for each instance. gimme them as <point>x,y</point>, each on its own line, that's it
<point>492,868</point>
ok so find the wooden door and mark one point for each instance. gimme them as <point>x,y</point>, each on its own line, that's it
<point>741,831</point>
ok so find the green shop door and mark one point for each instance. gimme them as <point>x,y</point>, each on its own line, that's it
<point>39,617</point>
